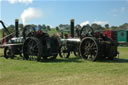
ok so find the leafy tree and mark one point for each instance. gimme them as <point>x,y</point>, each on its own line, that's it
<point>57,29</point>
<point>114,28</point>
<point>11,28</point>
<point>48,28</point>
<point>106,26</point>
<point>40,27</point>
<point>97,27</point>
<point>21,26</point>
<point>124,26</point>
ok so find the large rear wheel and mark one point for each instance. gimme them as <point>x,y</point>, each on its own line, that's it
<point>32,49</point>
<point>89,49</point>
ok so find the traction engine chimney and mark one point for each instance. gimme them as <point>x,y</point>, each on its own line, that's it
<point>72,27</point>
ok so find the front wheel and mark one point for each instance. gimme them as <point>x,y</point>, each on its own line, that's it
<point>8,53</point>
<point>64,52</point>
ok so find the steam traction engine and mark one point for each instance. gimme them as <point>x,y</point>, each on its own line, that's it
<point>12,42</point>
<point>91,45</point>
<point>38,44</point>
<point>95,46</point>
<point>33,43</point>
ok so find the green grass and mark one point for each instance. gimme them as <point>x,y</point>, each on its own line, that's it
<point>72,71</point>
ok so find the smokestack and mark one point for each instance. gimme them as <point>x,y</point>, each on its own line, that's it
<point>72,27</point>
<point>16,27</point>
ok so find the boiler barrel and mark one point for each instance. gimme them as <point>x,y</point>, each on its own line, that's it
<point>70,40</point>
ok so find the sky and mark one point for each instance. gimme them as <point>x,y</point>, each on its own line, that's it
<point>55,12</point>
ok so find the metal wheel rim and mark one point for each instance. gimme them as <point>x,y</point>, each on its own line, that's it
<point>7,53</point>
<point>32,50</point>
<point>66,53</point>
<point>90,49</point>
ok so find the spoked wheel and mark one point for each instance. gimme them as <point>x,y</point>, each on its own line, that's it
<point>8,53</point>
<point>89,49</point>
<point>86,31</point>
<point>32,49</point>
<point>64,52</point>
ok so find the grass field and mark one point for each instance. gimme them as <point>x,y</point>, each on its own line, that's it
<point>72,71</point>
<point>53,31</point>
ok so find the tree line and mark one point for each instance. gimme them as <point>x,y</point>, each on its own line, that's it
<point>11,28</point>
<point>108,27</point>
<point>95,26</point>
